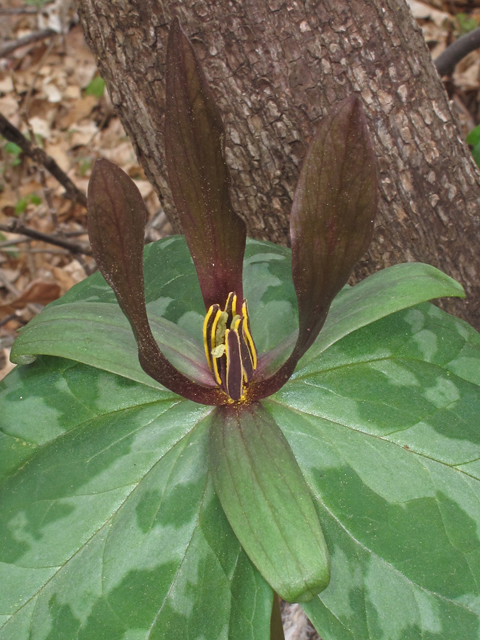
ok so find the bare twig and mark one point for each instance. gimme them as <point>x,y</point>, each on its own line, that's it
<point>8,285</point>
<point>13,243</point>
<point>48,197</point>
<point>88,268</point>
<point>33,307</point>
<point>74,234</point>
<point>17,227</point>
<point>12,316</point>
<point>7,48</point>
<point>16,11</point>
<point>455,52</point>
<point>62,252</point>
<point>157,223</point>
<point>8,131</point>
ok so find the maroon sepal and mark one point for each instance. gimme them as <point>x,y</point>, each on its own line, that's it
<point>198,175</point>
<point>116,226</point>
<point>331,224</point>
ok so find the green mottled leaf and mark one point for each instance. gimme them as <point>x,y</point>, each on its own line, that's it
<point>109,527</point>
<point>98,334</point>
<point>383,421</point>
<point>379,295</point>
<point>172,292</point>
<point>384,425</point>
<point>267,502</point>
<point>32,415</point>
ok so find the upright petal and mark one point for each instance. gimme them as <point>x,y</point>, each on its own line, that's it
<point>116,226</point>
<point>331,223</point>
<point>198,175</point>
<point>333,213</point>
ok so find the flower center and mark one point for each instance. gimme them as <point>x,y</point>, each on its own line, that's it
<point>229,347</point>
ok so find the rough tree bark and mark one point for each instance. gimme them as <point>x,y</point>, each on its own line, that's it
<point>276,67</point>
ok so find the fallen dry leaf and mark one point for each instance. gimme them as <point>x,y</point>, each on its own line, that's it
<point>423,11</point>
<point>5,365</point>
<point>6,84</point>
<point>69,275</point>
<point>9,109</point>
<point>123,155</point>
<point>38,291</point>
<point>467,72</point>
<point>81,134</point>
<point>40,127</point>
<point>80,110</point>
<point>59,152</point>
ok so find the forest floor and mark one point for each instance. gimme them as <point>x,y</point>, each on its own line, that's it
<point>51,92</point>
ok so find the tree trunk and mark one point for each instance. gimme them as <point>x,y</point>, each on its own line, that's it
<point>276,67</point>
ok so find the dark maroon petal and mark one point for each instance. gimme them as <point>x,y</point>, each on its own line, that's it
<point>116,226</point>
<point>198,175</point>
<point>333,213</point>
<point>331,223</point>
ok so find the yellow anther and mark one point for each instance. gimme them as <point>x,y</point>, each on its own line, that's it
<point>248,335</point>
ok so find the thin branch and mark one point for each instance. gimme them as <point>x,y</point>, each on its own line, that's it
<point>455,52</point>
<point>12,316</point>
<point>16,11</point>
<point>8,285</point>
<point>29,250</point>
<point>13,243</point>
<point>17,227</point>
<point>8,131</point>
<point>8,47</point>
<point>74,234</point>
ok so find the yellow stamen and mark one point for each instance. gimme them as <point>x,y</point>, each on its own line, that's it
<point>248,335</point>
<point>235,367</point>
<point>213,333</point>
<point>205,329</point>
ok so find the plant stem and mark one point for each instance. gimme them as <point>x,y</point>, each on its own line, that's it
<point>276,627</point>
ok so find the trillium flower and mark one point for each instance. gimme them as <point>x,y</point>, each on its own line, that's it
<point>256,476</point>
